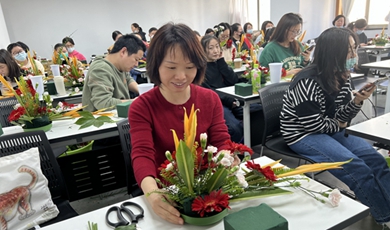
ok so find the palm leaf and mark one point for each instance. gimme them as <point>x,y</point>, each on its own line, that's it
<point>217,179</point>
<point>185,165</point>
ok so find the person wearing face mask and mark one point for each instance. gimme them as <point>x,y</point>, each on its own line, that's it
<point>317,107</point>
<point>69,44</point>
<point>358,27</point>
<point>137,29</point>
<point>250,33</point>
<point>63,52</point>
<point>20,55</point>
<point>339,21</point>
<point>236,37</point>
<point>10,70</point>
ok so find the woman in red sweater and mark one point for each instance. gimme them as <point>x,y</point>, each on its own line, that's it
<point>176,64</point>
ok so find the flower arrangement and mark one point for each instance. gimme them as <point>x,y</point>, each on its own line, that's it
<point>30,108</point>
<point>72,73</point>
<point>201,180</point>
<point>381,39</point>
<point>33,70</point>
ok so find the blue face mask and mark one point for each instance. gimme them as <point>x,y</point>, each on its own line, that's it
<point>249,31</point>
<point>350,63</point>
<point>21,56</point>
<point>359,31</point>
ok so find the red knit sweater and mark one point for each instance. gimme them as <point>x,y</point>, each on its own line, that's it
<point>151,119</point>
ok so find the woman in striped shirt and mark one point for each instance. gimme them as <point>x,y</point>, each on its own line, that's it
<point>316,109</point>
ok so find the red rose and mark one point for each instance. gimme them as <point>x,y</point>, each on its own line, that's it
<point>229,43</point>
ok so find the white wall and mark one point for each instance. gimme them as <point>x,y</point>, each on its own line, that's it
<point>4,38</point>
<point>42,23</point>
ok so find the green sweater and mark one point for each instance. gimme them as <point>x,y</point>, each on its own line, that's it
<point>105,85</point>
<point>273,52</point>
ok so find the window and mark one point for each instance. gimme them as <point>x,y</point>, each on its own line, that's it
<point>374,11</point>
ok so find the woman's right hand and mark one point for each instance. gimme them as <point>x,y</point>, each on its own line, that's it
<point>164,209</point>
<point>159,203</point>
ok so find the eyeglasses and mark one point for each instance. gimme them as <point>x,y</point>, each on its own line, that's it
<point>224,36</point>
<point>16,53</point>
<point>296,33</point>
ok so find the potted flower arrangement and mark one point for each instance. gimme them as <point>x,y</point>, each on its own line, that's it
<point>381,39</point>
<point>31,112</point>
<point>202,180</point>
<point>72,73</point>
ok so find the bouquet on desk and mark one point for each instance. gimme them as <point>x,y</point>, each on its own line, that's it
<point>30,110</point>
<point>72,72</point>
<point>201,180</point>
<point>381,39</point>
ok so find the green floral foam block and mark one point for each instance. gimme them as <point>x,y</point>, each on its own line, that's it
<point>261,217</point>
<point>123,109</point>
<point>243,89</point>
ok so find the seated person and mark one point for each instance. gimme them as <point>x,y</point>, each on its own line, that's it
<point>115,36</point>
<point>358,27</point>
<point>222,32</point>
<point>316,109</point>
<point>109,81</point>
<point>20,54</point>
<point>69,44</point>
<point>284,47</point>
<point>236,37</point>
<point>63,52</point>
<point>152,32</point>
<point>10,70</point>
<point>135,28</point>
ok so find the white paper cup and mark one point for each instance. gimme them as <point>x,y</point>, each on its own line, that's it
<point>145,87</point>
<point>275,71</point>
<point>37,82</point>
<point>55,69</point>
<point>60,86</point>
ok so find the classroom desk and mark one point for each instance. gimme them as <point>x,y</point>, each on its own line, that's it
<point>380,49</point>
<point>385,67</point>
<point>143,73</point>
<point>251,99</point>
<point>376,129</point>
<point>301,211</point>
<point>65,132</point>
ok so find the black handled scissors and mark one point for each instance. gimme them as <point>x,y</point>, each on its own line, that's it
<point>122,221</point>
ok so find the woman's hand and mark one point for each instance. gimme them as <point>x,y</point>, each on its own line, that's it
<point>293,71</point>
<point>363,95</point>
<point>159,203</point>
<point>306,56</point>
<point>164,209</point>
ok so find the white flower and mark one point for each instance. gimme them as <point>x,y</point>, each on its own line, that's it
<point>60,104</point>
<point>45,93</point>
<point>221,27</point>
<point>74,82</point>
<point>212,149</point>
<point>334,197</point>
<point>227,159</point>
<point>51,99</point>
<point>237,42</point>
<point>169,167</point>
<point>77,89</point>
<point>80,79</point>
<point>17,106</point>
<point>241,179</point>
<point>203,136</point>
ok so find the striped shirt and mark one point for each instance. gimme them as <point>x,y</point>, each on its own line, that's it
<point>308,109</point>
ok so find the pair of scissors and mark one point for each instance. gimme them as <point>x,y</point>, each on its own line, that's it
<point>123,223</point>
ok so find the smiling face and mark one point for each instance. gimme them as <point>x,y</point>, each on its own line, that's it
<point>224,35</point>
<point>213,50</point>
<point>176,72</point>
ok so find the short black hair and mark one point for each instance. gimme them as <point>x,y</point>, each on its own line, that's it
<point>115,34</point>
<point>152,29</point>
<point>58,45</point>
<point>68,39</point>
<point>132,43</point>
<point>337,18</point>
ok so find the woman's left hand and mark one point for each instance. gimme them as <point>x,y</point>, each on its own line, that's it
<point>306,55</point>
<point>363,95</point>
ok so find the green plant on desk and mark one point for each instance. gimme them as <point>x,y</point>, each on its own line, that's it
<point>87,119</point>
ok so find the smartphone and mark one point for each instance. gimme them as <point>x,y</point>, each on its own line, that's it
<point>370,85</point>
<point>310,48</point>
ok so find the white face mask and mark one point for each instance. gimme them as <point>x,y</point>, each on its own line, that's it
<point>70,49</point>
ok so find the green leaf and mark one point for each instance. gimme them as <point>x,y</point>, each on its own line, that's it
<point>105,119</point>
<point>254,194</point>
<point>185,165</point>
<point>87,123</point>
<point>81,121</point>
<point>97,123</point>
<point>217,179</point>
<point>86,114</point>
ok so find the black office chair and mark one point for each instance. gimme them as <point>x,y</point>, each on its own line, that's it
<point>124,135</point>
<point>6,107</point>
<point>363,58</point>
<point>19,142</point>
<point>271,98</point>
